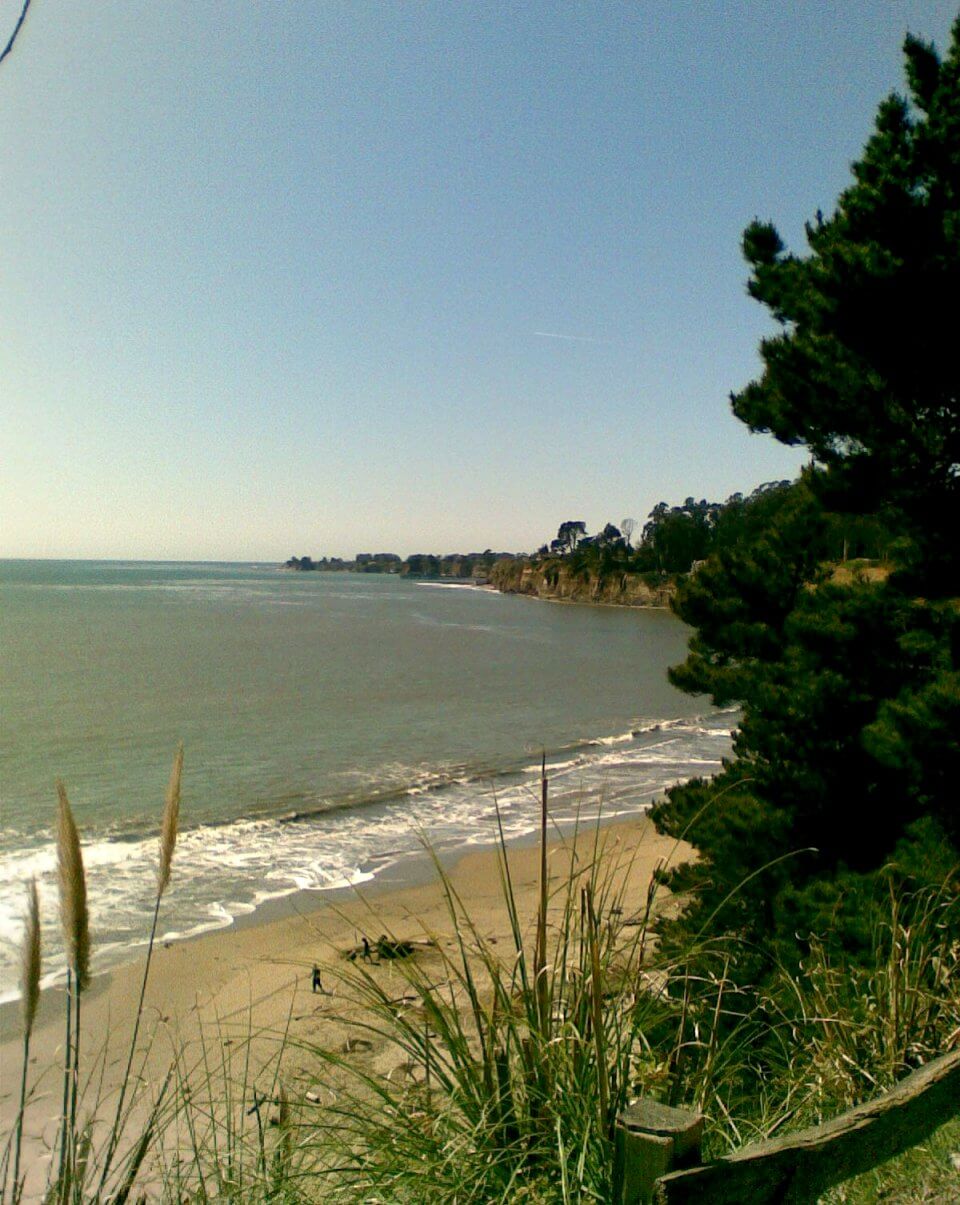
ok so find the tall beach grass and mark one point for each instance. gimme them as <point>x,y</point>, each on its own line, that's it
<point>81,1170</point>
<point>501,1065</point>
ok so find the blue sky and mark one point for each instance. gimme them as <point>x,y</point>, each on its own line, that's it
<point>324,278</point>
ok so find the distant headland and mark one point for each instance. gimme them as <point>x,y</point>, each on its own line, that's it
<point>610,566</point>
<point>470,566</point>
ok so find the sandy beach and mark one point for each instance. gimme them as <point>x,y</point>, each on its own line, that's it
<point>255,979</point>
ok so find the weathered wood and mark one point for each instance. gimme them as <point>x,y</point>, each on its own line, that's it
<point>640,1161</point>
<point>650,1139</point>
<point>684,1126</point>
<point>801,1166</point>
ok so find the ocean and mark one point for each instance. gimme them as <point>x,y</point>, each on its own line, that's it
<point>331,724</point>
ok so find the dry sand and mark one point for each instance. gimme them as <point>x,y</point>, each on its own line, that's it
<point>255,979</point>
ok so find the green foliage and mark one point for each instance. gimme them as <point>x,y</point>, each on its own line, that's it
<point>739,601</point>
<point>676,539</point>
<point>864,368</point>
<point>521,1059</point>
<point>677,536</point>
<point>569,535</point>
<point>848,749</point>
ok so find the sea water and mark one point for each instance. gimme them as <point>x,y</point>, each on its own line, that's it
<point>331,723</point>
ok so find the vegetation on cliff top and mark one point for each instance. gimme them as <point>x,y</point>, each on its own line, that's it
<point>420,564</point>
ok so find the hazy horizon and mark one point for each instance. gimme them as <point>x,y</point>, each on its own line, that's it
<point>404,549</point>
<point>290,279</point>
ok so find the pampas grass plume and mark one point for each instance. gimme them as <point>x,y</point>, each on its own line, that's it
<point>30,961</point>
<point>171,822</point>
<point>73,891</point>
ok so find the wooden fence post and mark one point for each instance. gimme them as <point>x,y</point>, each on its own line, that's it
<point>797,1168</point>
<point>650,1140</point>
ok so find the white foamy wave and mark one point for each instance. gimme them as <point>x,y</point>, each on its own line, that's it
<point>459,586</point>
<point>620,739</point>
<point>223,871</point>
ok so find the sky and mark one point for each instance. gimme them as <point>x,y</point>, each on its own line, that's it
<point>320,278</point>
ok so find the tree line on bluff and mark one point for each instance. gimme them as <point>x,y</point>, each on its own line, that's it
<point>420,564</point>
<point>676,539</point>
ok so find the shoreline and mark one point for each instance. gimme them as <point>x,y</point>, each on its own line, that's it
<point>338,786</point>
<point>453,584</point>
<point>582,783</point>
<point>578,602</point>
<point>253,978</point>
<point>411,870</point>
<point>385,872</point>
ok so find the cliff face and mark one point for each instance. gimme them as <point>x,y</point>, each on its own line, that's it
<point>555,580</point>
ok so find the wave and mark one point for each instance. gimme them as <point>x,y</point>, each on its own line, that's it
<point>458,586</point>
<point>333,842</point>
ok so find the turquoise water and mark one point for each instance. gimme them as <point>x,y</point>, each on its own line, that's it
<point>328,720</point>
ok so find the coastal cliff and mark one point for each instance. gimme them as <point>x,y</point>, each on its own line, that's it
<point>554,580</point>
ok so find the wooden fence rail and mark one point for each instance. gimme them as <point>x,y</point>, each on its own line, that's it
<point>796,1168</point>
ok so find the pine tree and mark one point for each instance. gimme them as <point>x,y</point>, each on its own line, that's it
<point>848,751</point>
<point>864,368</point>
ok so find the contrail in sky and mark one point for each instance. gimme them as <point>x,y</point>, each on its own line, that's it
<point>572,338</point>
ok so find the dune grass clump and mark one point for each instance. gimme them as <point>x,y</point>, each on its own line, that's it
<point>858,1030</point>
<point>515,1062</point>
<point>232,1133</point>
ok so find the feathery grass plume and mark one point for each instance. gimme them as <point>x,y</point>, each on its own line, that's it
<point>73,891</point>
<point>170,823</point>
<point>29,999</point>
<point>169,826</point>
<point>30,961</point>
<point>76,935</point>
